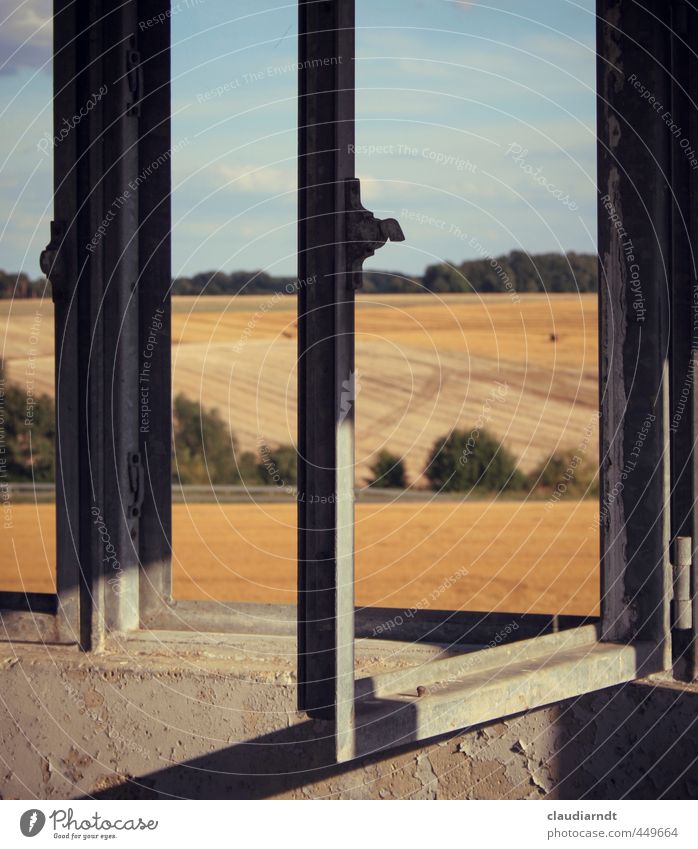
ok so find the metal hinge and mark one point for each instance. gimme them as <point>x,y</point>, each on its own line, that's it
<point>365,233</point>
<point>52,261</point>
<point>136,483</point>
<point>134,77</point>
<point>681,573</point>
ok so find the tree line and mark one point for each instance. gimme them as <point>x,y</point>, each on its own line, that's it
<point>481,465</point>
<point>203,449</point>
<point>515,272</point>
<point>205,452</point>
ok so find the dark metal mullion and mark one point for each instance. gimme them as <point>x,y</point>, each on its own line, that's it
<point>96,318</point>
<point>346,388</point>
<point>117,414</point>
<point>683,283</point>
<point>690,83</point>
<point>326,362</point>
<point>633,172</point>
<point>684,406</point>
<point>71,51</point>
<point>155,382</point>
<point>91,431</point>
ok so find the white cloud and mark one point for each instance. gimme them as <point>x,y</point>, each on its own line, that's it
<point>25,34</point>
<point>259,179</point>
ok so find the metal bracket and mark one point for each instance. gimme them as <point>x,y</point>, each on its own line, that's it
<point>681,568</point>
<point>52,262</point>
<point>365,233</point>
<point>134,75</point>
<point>136,480</point>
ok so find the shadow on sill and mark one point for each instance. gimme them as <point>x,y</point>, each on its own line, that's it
<point>631,742</point>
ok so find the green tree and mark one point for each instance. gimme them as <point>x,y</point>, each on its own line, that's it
<point>445,278</point>
<point>566,473</point>
<point>204,451</point>
<point>278,466</point>
<point>29,424</point>
<point>522,272</point>
<point>466,460</point>
<point>388,471</point>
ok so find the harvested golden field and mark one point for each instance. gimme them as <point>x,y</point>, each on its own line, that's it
<point>481,555</point>
<point>425,365</point>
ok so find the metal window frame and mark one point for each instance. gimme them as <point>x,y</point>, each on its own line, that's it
<point>103,313</point>
<point>634,636</point>
<point>109,536</point>
<point>98,320</point>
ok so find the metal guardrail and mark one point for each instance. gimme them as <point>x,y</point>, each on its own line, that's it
<point>46,493</point>
<point>201,494</point>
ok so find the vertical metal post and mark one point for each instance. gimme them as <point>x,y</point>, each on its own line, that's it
<point>688,235</point>
<point>154,283</point>
<point>93,263</point>
<point>327,382</point>
<point>61,263</point>
<point>634,239</point>
<point>120,181</point>
<point>684,347</point>
<point>681,342</point>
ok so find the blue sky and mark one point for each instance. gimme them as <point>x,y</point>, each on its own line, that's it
<point>475,126</point>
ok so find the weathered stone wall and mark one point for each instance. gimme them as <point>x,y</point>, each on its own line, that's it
<point>193,726</point>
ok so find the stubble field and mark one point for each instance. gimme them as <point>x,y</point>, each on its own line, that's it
<point>424,365</point>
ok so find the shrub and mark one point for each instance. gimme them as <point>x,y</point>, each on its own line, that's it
<point>566,473</point>
<point>30,449</point>
<point>278,466</point>
<point>204,451</point>
<point>466,460</point>
<point>388,471</point>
